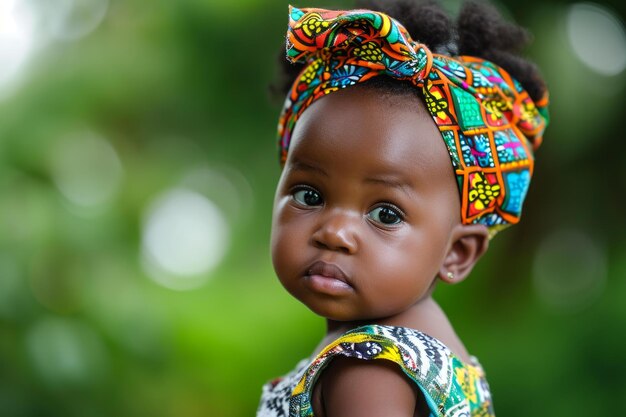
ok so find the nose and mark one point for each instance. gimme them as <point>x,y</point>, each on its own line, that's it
<point>337,231</point>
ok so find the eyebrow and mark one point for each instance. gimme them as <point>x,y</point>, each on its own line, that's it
<point>392,182</point>
<point>303,166</point>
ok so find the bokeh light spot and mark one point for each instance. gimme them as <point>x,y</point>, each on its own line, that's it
<point>224,185</point>
<point>184,237</point>
<point>86,169</point>
<point>569,270</point>
<point>16,41</point>
<point>597,37</point>
<point>66,353</point>
<point>70,19</point>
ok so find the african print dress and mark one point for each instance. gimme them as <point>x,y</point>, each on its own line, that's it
<point>451,388</point>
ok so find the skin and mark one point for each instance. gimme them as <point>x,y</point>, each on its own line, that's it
<point>368,189</point>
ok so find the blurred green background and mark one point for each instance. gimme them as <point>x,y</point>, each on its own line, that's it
<point>137,166</point>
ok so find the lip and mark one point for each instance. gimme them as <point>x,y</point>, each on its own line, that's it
<point>327,278</point>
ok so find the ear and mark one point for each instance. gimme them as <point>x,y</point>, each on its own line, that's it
<point>468,243</point>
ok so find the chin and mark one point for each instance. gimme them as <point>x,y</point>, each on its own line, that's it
<point>337,311</point>
<point>332,311</point>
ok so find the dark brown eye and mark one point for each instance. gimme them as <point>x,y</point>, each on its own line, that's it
<point>386,215</point>
<point>307,196</point>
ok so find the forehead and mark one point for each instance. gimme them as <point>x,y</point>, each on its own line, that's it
<point>369,129</point>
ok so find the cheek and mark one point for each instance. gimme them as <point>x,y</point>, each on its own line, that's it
<point>286,236</point>
<point>402,274</point>
<point>416,257</point>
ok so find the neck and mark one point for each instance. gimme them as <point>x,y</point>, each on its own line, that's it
<point>420,317</point>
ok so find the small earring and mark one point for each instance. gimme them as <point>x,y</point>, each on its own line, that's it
<point>450,275</point>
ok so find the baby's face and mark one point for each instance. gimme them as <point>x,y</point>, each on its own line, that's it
<point>364,207</point>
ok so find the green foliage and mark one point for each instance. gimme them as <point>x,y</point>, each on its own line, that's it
<point>176,92</point>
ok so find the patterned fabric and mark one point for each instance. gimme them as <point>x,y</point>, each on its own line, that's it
<point>487,120</point>
<point>277,393</point>
<point>450,387</point>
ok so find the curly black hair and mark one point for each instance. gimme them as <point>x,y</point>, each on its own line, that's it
<point>479,31</point>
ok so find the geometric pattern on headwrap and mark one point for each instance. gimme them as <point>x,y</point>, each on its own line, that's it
<point>488,122</point>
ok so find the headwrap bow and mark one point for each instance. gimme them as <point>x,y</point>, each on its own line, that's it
<point>488,122</point>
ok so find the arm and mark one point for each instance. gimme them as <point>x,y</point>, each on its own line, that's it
<point>354,387</point>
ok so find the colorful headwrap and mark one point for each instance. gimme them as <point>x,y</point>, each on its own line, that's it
<point>487,120</point>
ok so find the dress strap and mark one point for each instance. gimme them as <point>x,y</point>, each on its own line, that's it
<point>450,387</point>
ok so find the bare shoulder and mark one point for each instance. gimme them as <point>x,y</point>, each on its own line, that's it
<point>354,387</point>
